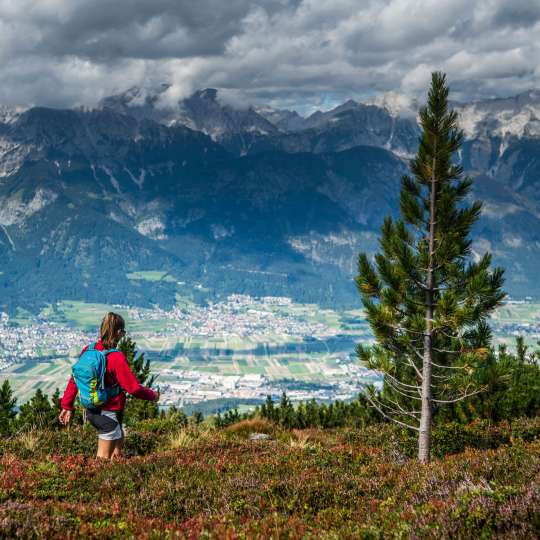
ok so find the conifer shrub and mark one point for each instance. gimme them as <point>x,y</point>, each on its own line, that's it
<point>453,437</point>
<point>448,438</point>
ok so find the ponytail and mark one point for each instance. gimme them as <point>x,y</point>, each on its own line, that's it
<point>111,330</point>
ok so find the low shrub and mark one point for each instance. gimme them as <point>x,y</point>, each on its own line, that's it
<point>161,426</point>
<point>396,442</point>
<point>39,443</point>
<point>452,438</point>
<point>525,429</point>
<point>223,486</point>
<point>140,443</point>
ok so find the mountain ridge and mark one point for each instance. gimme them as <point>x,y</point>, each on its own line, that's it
<point>282,212</point>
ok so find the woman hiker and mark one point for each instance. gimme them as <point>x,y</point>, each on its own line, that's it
<point>101,380</point>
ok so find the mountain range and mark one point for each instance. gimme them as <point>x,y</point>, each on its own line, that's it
<point>237,199</point>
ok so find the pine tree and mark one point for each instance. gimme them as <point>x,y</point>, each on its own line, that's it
<point>268,410</point>
<point>56,399</point>
<point>300,422</point>
<point>426,300</point>
<point>38,412</point>
<point>7,408</point>
<point>521,349</point>
<point>512,385</point>
<point>312,414</point>
<point>286,412</point>
<point>176,414</point>
<point>518,392</point>
<point>137,409</point>
<point>198,418</point>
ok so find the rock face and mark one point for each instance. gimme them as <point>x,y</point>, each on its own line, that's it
<point>236,129</point>
<point>252,200</point>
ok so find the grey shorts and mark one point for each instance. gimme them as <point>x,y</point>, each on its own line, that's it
<point>108,423</point>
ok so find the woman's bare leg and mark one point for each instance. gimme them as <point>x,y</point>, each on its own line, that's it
<point>105,448</point>
<point>117,449</point>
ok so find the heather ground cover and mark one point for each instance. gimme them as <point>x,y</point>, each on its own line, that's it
<point>205,483</point>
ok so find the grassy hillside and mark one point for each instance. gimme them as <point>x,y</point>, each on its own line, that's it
<point>202,482</point>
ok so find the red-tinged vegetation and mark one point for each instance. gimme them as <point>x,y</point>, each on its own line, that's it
<point>301,484</point>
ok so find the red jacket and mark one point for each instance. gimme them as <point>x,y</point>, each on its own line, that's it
<point>118,371</point>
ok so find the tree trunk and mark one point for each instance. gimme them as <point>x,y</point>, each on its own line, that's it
<point>424,438</point>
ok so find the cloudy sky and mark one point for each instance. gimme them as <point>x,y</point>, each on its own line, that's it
<point>301,54</point>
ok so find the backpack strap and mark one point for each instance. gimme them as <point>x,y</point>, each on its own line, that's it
<point>91,347</point>
<point>108,351</point>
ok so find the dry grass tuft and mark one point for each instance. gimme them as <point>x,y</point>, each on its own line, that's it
<point>300,440</point>
<point>181,439</point>
<point>29,440</point>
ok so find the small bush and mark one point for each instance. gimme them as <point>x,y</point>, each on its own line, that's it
<point>161,426</point>
<point>244,428</point>
<point>41,443</point>
<point>140,443</point>
<point>396,442</point>
<point>452,438</point>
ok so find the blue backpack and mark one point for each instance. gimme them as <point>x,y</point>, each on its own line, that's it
<point>89,375</point>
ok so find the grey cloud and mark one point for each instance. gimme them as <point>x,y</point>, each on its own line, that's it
<point>104,30</point>
<point>518,13</point>
<point>293,53</point>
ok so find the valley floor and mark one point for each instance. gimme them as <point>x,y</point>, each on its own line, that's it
<point>298,484</point>
<point>241,349</point>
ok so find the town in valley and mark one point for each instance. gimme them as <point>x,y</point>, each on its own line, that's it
<point>238,350</point>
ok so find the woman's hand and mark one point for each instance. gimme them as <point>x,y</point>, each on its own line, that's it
<point>65,416</point>
<point>156,399</point>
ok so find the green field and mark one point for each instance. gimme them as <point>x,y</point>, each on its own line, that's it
<point>87,317</point>
<point>517,319</point>
<point>152,275</point>
<point>45,375</point>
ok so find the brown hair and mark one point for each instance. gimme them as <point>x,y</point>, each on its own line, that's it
<point>111,331</point>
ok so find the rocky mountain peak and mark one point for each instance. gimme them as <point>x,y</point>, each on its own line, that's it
<point>517,116</point>
<point>209,94</point>
<point>396,104</point>
<point>8,115</point>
